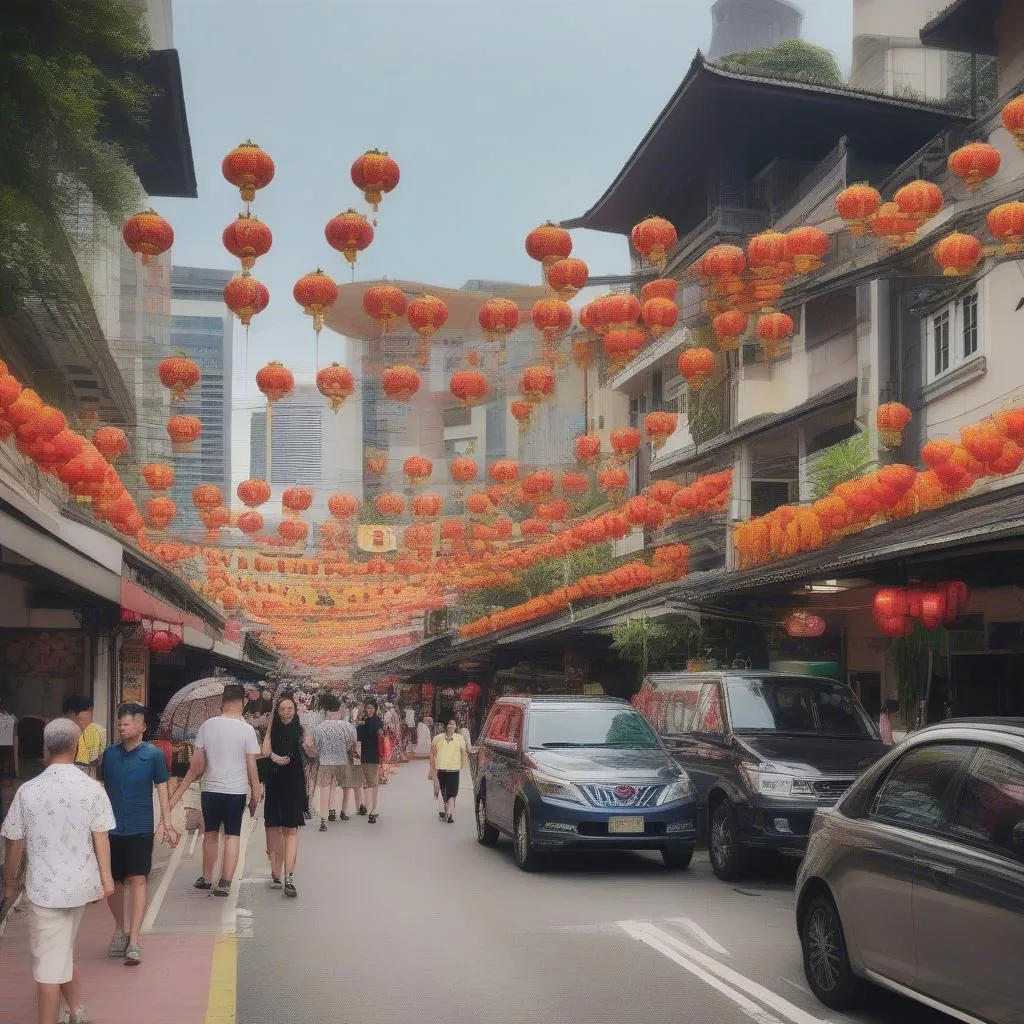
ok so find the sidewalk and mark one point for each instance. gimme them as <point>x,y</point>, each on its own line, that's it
<point>188,974</point>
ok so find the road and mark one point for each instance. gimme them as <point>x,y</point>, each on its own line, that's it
<point>411,920</point>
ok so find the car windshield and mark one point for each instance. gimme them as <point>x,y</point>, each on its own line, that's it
<point>589,727</point>
<point>792,704</point>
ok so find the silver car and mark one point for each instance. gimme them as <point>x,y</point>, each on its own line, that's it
<point>915,880</point>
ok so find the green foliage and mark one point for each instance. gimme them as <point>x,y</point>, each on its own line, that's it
<point>647,644</point>
<point>57,95</point>
<point>908,657</point>
<point>793,59</point>
<point>842,462</point>
<point>958,87</point>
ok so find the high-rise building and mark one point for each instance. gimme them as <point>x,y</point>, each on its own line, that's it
<point>201,328</point>
<point>739,26</point>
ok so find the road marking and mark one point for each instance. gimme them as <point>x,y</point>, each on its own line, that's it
<point>228,920</point>
<point>161,891</point>
<point>798,986</point>
<point>709,940</point>
<point>637,930</point>
<point>789,1010</point>
<point>221,1004</point>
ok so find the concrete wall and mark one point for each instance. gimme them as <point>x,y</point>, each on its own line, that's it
<point>1010,33</point>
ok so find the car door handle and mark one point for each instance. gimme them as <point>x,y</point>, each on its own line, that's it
<point>940,874</point>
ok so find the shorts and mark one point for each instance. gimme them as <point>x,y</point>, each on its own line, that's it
<point>334,775</point>
<point>51,940</point>
<point>130,856</point>
<point>369,775</point>
<point>449,785</point>
<point>7,762</point>
<point>223,810</point>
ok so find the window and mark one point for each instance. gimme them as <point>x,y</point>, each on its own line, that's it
<point>675,709</point>
<point>991,805</point>
<point>940,342</point>
<point>498,729</point>
<point>708,720</point>
<point>794,705</point>
<point>767,495</point>
<point>657,390</point>
<point>600,422</point>
<point>969,328</point>
<point>917,790</point>
<point>595,726</point>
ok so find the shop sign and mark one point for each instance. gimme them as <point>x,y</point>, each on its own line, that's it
<point>134,673</point>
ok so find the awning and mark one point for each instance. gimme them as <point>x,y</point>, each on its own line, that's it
<point>139,600</point>
<point>965,25</point>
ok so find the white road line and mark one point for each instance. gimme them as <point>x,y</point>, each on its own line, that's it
<point>783,1006</point>
<point>161,891</point>
<point>798,986</point>
<point>229,919</point>
<point>709,940</point>
<point>756,1013</point>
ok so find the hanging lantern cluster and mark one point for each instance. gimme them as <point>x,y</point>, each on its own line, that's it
<point>804,625</point>
<point>896,609</point>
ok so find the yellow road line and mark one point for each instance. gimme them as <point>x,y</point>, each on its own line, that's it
<point>223,999</point>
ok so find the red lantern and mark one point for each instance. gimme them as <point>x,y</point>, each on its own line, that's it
<point>498,317</point>
<point>275,380</point>
<point>621,345</point>
<point>315,293</point>
<point>892,419</point>
<point>588,449</point>
<point>158,476</point>
<point>462,470</point>
<point>1006,223</point>
<point>400,383</point>
<point>537,383</point>
<point>696,365</point>
<point>161,641</point>
<point>660,426</point>
<point>389,504</point>
<point>654,238</point>
<point>184,431</point>
<point>539,484</point>
<point>248,168</point>
<point>890,603</point>
<point>895,627</point>
<point>766,255</point>
<point>427,506</point>
<point>253,492</point>
<point>293,531</point>
<point>975,163</point>
<point>350,233</point>
<point>342,506</point>
<point>160,510</point>
<point>806,248</point>
<point>729,327</point>
<point>567,277</point>
<point>804,624</point>
<point>957,254</point>
<point>617,310</point>
<point>625,443</point>
<point>895,226</point>
<point>551,317</point>
<point>1013,119</point>
<point>335,383</point>
<point>660,316</point>
<point>920,200</point>
<point>548,244</point>
<point>247,238</point>
<point>147,235</point>
<point>774,328</point>
<point>857,205</point>
<point>206,497</point>
<point>469,387</point>
<point>522,413</point>
<point>110,442</point>
<point>722,263</point>
<point>246,297</point>
<point>427,315</point>
<point>375,174</point>
<point>663,288</point>
<point>613,481</point>
<point>385,303</point>
<point>575,484</point>
<point>478,503</point>
<point>296,499</point>
<point>504,471</point>
<point>179,375</point>
<point>417,470</point>
<point>376,464</point>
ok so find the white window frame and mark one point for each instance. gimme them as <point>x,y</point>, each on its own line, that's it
<point>957,325</point>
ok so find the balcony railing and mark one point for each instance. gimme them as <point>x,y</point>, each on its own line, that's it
<point>723,222</point>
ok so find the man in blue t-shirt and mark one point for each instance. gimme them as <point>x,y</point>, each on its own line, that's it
<point>130,770</point>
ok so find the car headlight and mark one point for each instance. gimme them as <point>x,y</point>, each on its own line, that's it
<point>551,788</point>
<point>678,790</point>
<point>766,782</point>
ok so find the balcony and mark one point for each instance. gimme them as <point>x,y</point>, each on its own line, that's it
<point>725,222</point>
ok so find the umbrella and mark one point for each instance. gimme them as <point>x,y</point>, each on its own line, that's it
<point>194,704</point>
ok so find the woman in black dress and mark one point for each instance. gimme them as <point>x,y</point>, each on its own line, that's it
<point>283,813</point>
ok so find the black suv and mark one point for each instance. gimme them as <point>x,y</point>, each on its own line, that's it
<point>557,772</point>
<point>764,751</point>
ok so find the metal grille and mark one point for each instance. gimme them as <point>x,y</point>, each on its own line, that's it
<point>605,796</point>
<point>832,789</point>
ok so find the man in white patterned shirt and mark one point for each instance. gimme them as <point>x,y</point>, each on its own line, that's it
<point>59,821</point>
<point>335,742</point>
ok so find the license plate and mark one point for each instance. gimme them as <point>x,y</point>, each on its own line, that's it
<point>629,826</point>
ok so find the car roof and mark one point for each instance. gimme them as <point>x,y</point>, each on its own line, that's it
<point>990,723</point>
<point>739,673</point>
<point>562,698</point>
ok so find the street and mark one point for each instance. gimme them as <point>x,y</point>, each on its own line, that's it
<point>411,919</point>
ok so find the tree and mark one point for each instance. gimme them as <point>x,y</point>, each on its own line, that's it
<point>793,59</point>
<point>845,461</point>
<point>58,96</point>
<point>645,643</point>
<point>973,83</point>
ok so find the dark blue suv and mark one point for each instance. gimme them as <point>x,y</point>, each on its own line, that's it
<point>564,772</point>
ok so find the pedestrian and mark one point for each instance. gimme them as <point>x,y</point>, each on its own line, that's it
<point>335,741</point>
<point>448,756</point>
<point>130,770</point>
<point>90,747</point>
<point>59,822</point>
<point>225,755</point>
<point>369,733</point>
<point>311,714</point>
<point>355,716</point>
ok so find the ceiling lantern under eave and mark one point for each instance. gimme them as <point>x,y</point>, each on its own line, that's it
<point>1013,119</point>
<point>920,200</point>
<point>248,168</point>
<point>802,625</point>
<point>654,238</point>
<point>806,248</point>
<point>1006,224</point>
<point>375,174</point>
<point>766,255</point>
<point>659,315</point>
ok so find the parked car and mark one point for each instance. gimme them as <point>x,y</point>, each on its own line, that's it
<point>764,751</point>
<point>565,772</point>
<point>915,879</point>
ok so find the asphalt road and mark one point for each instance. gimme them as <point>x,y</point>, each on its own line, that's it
<point>409,920</point>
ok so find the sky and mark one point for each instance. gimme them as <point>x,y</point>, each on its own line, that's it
<point>501,114</point>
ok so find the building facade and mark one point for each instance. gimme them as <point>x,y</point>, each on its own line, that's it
<point>739,26</point>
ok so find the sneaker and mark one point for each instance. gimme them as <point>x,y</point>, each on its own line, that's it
<point>362,810</point>
<point>289,888</point>
<point>451,820</point>
<point>372,819</point>
<point>132,956</point>
<point>323,825</point>
<point>333,816</point>
<point>118,944</point>
<point>223,889</point>
<point>440,815</point>
<point>275,882</point>
<point>80,1016</point>
<point>200,883</point>
<point>343,816</point>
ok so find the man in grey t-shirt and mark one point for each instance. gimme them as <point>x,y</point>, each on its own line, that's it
<point>335,741</point>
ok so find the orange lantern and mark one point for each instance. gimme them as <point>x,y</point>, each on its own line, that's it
<point>400,383</point>
<point>246,297</point>
<point>342,506</point>
<point>147,234</point>
<point>427,506</point>
<point>315,293</point>
<point>110,442</point>
<point>389,504</point>
<point>503,471</point>
<point>296,500</point>
<point>537,383</point>
<point>158,476</point>
<point>775,327</point>
<point>654,238</point>
<point>551,317</point>
<point>427,315</point>
<point>659,315</point>
<point>539,484</point>
<point>462,470</point>
<point>350,233</point>
<point>247,238</point>
<point>975,163</point>
<point>625,443</point>
<point>160,511</point>
<point>660,426</point>
<point>721,264</point>
<point>469,387</point>
<point>522,413</point>
<point>375,174</point>
<point>1006,223</point>
<point>206,497</point>
<point>498,317</point>
<point>766,255</point>
<point>376,464</point>
<point>920,200</point>
<point>293,531</point>
<point>184,431</point>
<point>582,352</point>
<point>548,244</point>
<point>891,419</point>
<point>568,277</point>
<point>1013,119</point>
<point>806,248</point>
<point>857,205</point>
<point>335,383</point>
<point>253,492</point>
<point>618,310</point>
<point>621,345</point>
<point>385,303</point>
<point>663,288</point>
<point>179,375</point>
<point>588,449</point>
<point>248,168</point>
<point>478,503</point>
<point>893,225</point>
<point>696,365</point>
<point>575,484</point>
<point>250,523</point>
<point>275,381</point>
<point>417,470</point>
<point>644,513</point>
<point>957,254</point>
<point>729,327</point>
<point>613,481</point>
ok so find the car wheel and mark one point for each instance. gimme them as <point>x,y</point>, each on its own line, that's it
<point>728,858</point>
<point>676,859</point>
<point>826,962</point>
<point>486,833</point>
<point>527,858</point>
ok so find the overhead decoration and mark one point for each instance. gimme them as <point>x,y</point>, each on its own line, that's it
<point>568,277</point>
<point>247,238</point>
<point>654,239</point>
<point>179,375</point>
<point>147,235</point>
<point>729,328</point>
<point>248,168</point>
<point>891,419</point>
<point>389,504</point>
<point>342,506</point>
<point>975,163</point>
<point>498,317</point>
<point>644,514</point>
<point>696,366</point>
<point>110,442</point>
<point>293,531</point>
<point>659,427</point>
<point>957,254</point>
<point>350,233</point>
<point>920,200</point>
<point>857,205</point>
<point>896,609</point>
<point>895,226</point>
<point>207,497</point>
<point>246,297</point>
<point>462,470</point>
<point>503,471</point>
<point>375,174</point>
<point>426,314</point>
<point>806,248</point>
<point>160,511</point>
<point>335,383</point>
<point>385,303</point>
<point>621,345</point>
<point>625,443</point>
<point>616,311</point>
<point>583,354</point>
<point>659,315</point>
<point>469,387</point>
<point>427,506</point>
<point>417,470</point>
<point>723,266</point>
<point>1006,224</point>
<point>522,413</point>
<point>184,431</point>
<point>552,317</point>
<point>613,481</point>
<point>159,476</point>
<point>588,449</point>
<point>767,256</point>
<point>804,625</point>
<point>662,288</point>
<point>376,463</point>
<point>315,293</point>
<point>253,493</point>
<point>537,383</point>
<point>296,500</point>
<point>275,381</point>
<point>400,383</point>
<point>773,331</point>
<point>548,244</point>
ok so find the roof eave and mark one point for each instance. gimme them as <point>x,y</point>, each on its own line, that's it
<point>948,31</point>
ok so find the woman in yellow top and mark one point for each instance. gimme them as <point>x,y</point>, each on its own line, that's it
<point>93,741</point>
<point>448,754</point>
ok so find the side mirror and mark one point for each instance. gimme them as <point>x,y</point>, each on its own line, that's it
<point>1017,837</point>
